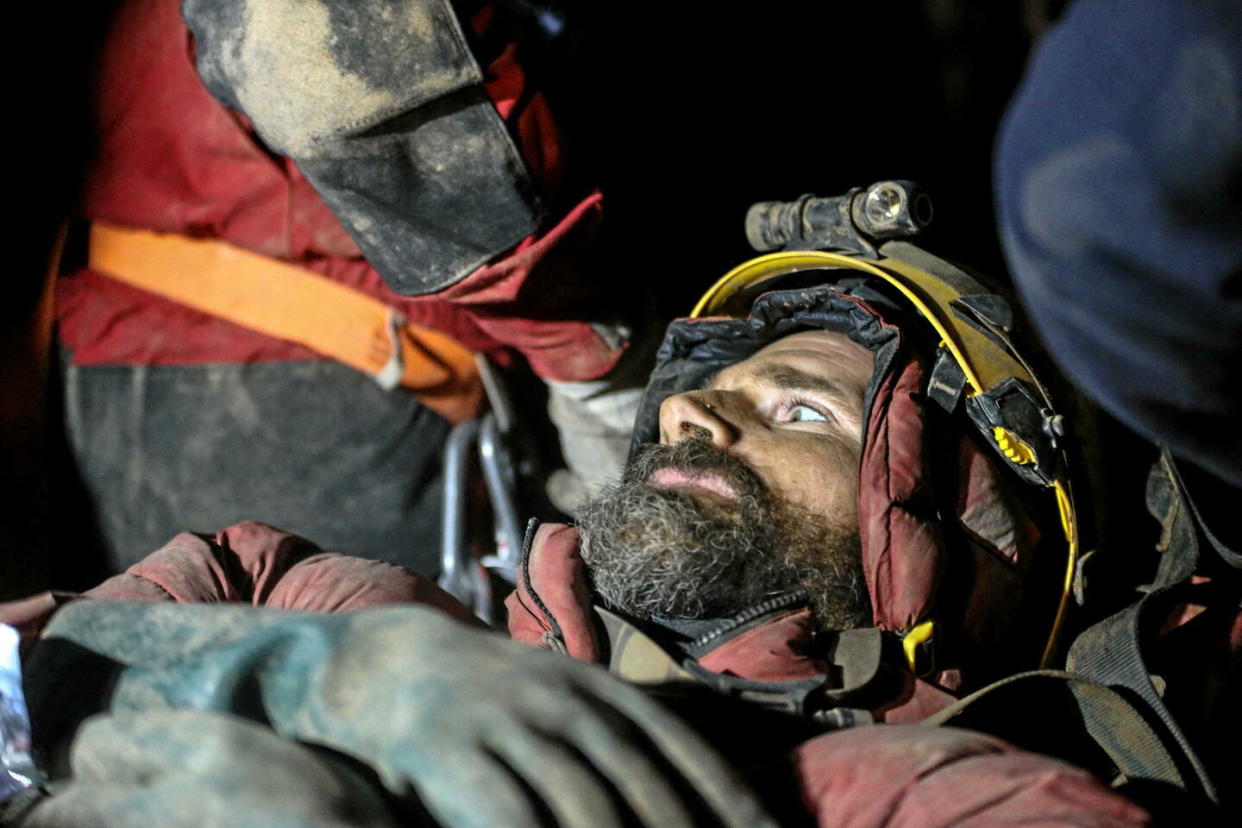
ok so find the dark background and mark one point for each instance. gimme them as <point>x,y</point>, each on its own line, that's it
<point>687,114</point>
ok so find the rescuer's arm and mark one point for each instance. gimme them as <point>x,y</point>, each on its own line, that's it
<point>256,564</point>
<point>915,775</point>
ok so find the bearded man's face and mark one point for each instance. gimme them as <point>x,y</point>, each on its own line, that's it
<point>656,553</point>
<point>751,493</point>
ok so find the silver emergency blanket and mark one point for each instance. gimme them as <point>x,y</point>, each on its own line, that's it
<point>17,768</point>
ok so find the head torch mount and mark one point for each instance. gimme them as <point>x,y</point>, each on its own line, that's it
<point>854,223</point>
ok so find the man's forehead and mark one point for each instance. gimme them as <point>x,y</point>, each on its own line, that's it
<point>792,359</point>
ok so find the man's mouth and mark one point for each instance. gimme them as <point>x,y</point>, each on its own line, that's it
<point>693,483</point>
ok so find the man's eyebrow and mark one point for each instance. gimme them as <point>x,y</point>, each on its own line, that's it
<point>787,378</point>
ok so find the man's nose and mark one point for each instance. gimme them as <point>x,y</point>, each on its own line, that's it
<point>696,414</point>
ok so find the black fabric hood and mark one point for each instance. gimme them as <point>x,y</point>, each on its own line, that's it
<point>695,349</point>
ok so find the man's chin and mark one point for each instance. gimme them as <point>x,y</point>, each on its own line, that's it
<point>668,553</point>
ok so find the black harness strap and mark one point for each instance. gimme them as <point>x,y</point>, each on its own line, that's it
<point>1111,651</point>
<point>1115,724</point>
<point>1120,708</point>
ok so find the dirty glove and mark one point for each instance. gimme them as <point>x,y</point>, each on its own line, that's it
<point>480,730</point>
<point>185,769</point>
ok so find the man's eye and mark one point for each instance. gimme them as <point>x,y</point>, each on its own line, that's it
<point>804,414</point>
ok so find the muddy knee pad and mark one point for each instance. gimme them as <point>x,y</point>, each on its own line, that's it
<point>381,104</point>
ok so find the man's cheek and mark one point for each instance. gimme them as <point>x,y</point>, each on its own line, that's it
<point>830,490</point>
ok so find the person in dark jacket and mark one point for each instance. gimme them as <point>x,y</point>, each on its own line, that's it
<point>1119,188</point>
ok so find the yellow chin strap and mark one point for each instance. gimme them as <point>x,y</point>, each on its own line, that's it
<point>984,363</point>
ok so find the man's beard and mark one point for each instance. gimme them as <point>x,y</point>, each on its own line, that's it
<point>660,554</point>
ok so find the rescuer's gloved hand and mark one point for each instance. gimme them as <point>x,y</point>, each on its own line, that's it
<point>177,768</point>
<point>480,730</point>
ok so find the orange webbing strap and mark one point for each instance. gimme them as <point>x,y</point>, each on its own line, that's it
<point>289,302</point>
